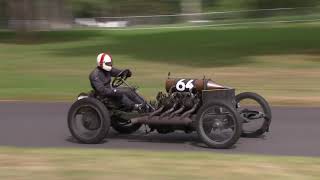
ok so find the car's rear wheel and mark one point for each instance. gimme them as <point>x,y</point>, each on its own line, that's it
<point>88,121</point>
<point>255,113</point>
<point>218,125</point>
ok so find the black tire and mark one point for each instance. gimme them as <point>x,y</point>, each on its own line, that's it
<point>203,131</point>
<point>266,110</point>
<point>102,120</point>
<point>122,127</point>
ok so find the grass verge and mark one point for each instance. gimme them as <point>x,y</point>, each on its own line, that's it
<point>279,62</point>
<point>118,164</point>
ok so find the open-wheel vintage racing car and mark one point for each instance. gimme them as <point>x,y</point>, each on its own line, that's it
<point>214,111</point>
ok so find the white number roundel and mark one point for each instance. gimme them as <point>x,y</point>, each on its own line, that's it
<point>182,86</point>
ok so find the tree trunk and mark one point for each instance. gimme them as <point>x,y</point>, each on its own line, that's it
<point>191,6</point>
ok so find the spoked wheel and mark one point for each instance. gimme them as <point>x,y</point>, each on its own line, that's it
<point>255,113</point>
<point>218,125</point>
<point>122,126</point>
<point>88,121</point>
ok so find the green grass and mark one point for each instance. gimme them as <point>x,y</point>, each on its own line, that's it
<point>280,62</point>
<point>77,164</point>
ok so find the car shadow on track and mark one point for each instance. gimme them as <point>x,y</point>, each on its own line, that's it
<point>176,138</point>
<point>73,140</point>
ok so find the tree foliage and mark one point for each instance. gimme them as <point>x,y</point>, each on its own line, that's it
<point>3,5</point>
<point>91,8</point>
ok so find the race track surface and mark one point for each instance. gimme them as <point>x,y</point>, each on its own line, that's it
<point>294,131</point>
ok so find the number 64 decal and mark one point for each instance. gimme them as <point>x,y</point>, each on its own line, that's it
<point>182,86</point>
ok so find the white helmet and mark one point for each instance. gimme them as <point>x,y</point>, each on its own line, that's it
<point>104,61</point>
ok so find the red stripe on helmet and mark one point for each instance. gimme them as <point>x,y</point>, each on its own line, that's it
<point>102,59</point>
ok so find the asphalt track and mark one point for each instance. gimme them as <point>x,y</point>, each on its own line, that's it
<point>294,131</point>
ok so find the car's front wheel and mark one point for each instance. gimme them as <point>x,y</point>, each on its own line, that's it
<point>255,113</point>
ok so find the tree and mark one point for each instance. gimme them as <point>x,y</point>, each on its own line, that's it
<point>25,15</point>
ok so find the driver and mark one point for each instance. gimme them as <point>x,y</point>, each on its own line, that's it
<point>100,79</point>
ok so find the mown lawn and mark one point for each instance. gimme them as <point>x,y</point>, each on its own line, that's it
<point>52,164</point>
<point>280,62</point>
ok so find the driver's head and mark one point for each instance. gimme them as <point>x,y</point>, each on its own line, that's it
<point>104,61</point>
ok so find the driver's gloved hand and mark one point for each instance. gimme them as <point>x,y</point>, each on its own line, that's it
<point>129,73</point>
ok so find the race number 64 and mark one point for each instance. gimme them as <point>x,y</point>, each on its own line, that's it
<point>182,86</point>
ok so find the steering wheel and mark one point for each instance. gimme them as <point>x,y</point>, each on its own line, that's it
<point>121,77</point>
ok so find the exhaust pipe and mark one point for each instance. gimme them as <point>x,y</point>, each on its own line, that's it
<point>156,120</point>
<point>187,113</point>
<point>177,112</point>
<point>168,111</point>
<point>156,112</point>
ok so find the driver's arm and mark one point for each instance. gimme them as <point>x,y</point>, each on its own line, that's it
<point>99,86</point>
<point>115,72</point>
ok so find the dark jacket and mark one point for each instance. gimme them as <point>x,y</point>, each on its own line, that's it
<point>100,81</point>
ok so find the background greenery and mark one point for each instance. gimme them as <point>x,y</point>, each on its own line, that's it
<point>280,61</point>
<point>92,8</point>
<point>258,4</point>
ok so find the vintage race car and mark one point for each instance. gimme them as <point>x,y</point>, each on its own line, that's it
<point>213,111</point>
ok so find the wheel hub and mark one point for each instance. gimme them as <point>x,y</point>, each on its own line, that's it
<point>217,124</point>
<point>90,121</point>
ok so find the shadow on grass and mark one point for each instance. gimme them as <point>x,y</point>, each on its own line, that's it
<point>202,48</point>
<point>45,37</point>
<point>198,48</point>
